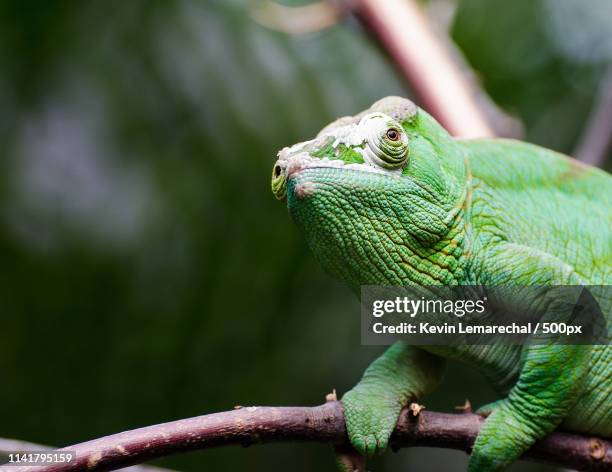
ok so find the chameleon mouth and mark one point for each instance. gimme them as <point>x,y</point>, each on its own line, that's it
<point>288,167</point>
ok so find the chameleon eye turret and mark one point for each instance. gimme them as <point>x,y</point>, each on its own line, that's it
<point>386,141</point>
<point>279,183</point>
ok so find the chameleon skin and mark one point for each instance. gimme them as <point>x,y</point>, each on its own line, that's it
<point>424,208</point>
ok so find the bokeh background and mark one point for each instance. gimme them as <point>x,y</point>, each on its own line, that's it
<point>147,272</point>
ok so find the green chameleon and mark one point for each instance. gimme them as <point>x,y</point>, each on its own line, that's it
<point>388,197</point>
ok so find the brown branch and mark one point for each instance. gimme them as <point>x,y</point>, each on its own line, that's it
<point>323,424</point>
<point>402,29</point>
<point>597,135</point>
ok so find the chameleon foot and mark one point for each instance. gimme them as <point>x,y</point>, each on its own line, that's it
<point>370,417</point>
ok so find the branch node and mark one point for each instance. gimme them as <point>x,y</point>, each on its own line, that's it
<point>597,449</point>
<point>465,408</point>
<point>415,408</point>
<point>331,397</point>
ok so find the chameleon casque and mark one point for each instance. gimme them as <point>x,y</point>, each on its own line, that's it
<point>388,197</point>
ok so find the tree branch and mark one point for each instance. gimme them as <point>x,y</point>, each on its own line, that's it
<point>597,135</point>
<point>323,424</point>
<point>426,61</point>
<point>403,30</point>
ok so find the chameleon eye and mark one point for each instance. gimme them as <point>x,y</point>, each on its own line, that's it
<point>386,143</point>
<point>393,134</point>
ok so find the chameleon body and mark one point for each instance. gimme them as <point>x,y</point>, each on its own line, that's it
<point>388,197</point>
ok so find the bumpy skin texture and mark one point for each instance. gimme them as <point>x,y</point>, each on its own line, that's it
<point>388,197</point>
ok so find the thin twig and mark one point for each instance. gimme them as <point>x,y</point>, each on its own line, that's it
<point>402,29</point>
<point>322,424</point>
<point>597,136</point>
<point>300,19</point>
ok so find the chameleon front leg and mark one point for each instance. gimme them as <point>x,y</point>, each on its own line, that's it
<point>371,409</point>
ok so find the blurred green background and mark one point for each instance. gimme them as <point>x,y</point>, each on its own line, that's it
<point>148,273</point>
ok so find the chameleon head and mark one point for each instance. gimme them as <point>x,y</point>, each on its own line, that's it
<point>372,141</point>
<point>366,184</point>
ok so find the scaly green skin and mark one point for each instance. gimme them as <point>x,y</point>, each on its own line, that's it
<point>424,208</point>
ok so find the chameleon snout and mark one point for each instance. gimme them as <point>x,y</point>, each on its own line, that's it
<point>286,167</point>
